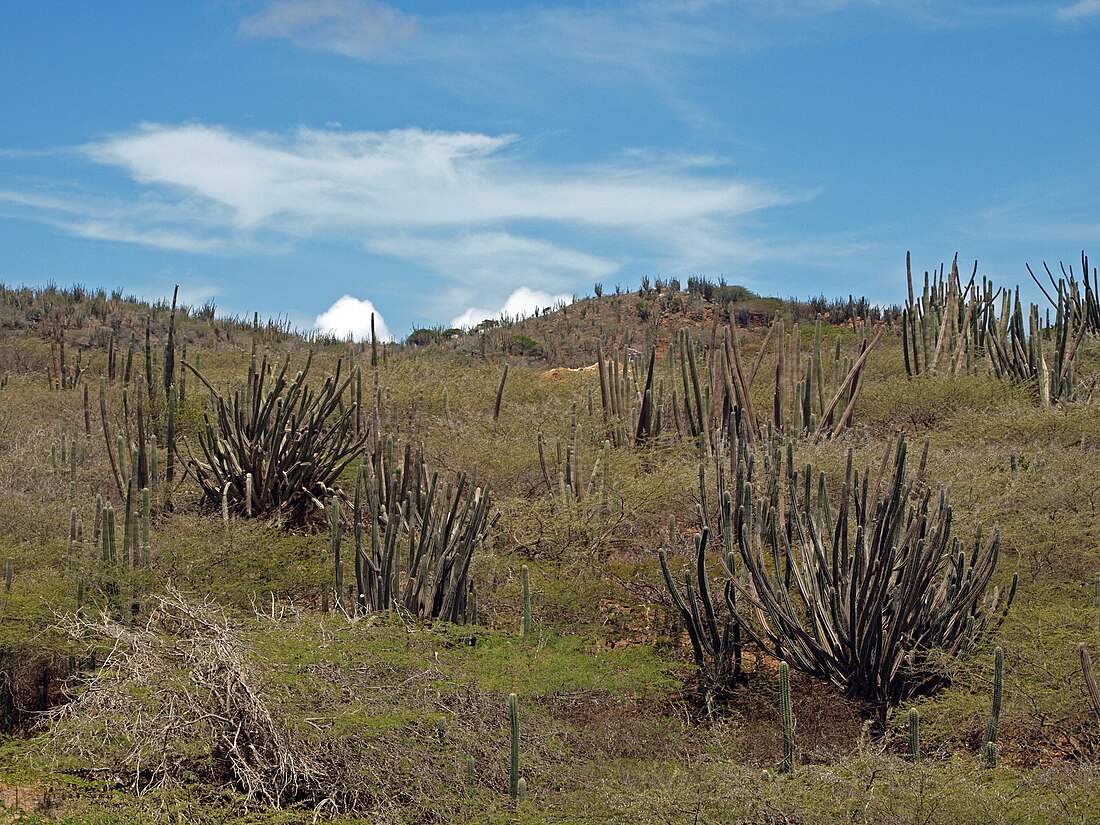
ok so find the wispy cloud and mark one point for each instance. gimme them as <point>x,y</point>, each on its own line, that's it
<point>355,28</point>
<point>477,209</point>
<point>496,260</point>
<point>1079,10</point>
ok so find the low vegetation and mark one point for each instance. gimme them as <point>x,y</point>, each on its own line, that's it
<point>673,555</point>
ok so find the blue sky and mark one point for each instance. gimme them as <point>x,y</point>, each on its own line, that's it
<point>440,162</point>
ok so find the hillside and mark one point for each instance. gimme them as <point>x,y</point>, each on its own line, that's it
<point>224,653</point>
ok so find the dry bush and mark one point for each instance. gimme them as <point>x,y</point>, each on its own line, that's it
<point>177,700</point>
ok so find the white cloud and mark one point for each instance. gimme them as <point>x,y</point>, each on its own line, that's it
<point>1083,8</point>
<point>495,261</point>
<point>520,304</point>
<point>324,179</point>
<point>474,208</point>
<point>354,28</point>
<point>351,316</point>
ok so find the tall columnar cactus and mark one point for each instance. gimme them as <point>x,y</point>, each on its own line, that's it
<point>525,573</point>
<point>513,763</point>
<point>145,513</point>
<point>944,330</point>
<point>72,534</point>
<point>500,394</point>
<point>337,559</point>
<point>1081,298</point>
<point>995,712</point>
<point>787,716</point>
<point>914,735</point>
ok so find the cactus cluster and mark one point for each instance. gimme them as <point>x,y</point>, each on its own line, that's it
<point>864,595</point>
<point>881,584</point>
<point>563,478</point>
<point>294,439</point>
<point>814,395</point>
<point>415,535</point>
<point>955,329</point>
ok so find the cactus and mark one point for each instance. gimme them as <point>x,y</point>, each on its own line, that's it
<point>441,523</point>
<point>337,561</point>
<point>513,764</point>
<point>294,439</point>
<point>995,713</point>
<point>863,596</point>
<point>713,632</point>
<point>500,394</point>
<point>914,735</point>
<point>787,717</point>
<point>1090,680</point>
<point>72,534</point>
<point>145,511</point>
<point>128,551</point>
<point>989,753</point>
<point>109,534</point>
<point>526,601</point>
<point>153,459</point>
<point>948,324</point>
<point>170,444</point>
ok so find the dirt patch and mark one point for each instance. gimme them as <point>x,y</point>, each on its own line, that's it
<point>560,373</point>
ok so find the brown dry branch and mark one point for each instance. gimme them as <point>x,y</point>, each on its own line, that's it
<point>177,699</point>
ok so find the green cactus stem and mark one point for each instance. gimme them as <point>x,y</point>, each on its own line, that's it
<point>500,394</point>
<point>338,562</point>
<point>513,767</point>
<point>788,717</point>
<point>145,510</point>
<point>526,600</point>
<point>914,735</point>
